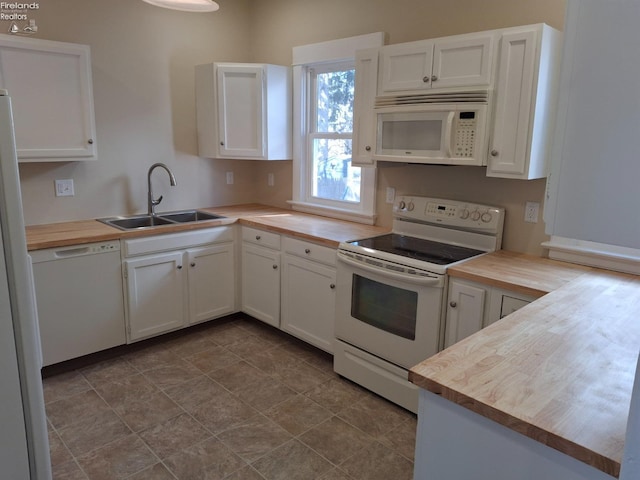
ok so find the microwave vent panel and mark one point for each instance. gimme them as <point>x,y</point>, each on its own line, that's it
<point>480,96</point>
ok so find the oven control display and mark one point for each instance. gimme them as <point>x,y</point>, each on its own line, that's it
<point>441,210</point>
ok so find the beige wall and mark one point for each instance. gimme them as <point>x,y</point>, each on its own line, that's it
<point>143,60</point>
<point>143,77</point>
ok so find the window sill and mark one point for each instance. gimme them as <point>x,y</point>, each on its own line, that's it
<point>593,254</point>
<point>341,214</point>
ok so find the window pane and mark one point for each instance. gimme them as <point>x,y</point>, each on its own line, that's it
<point>333,176</point>
<point>334,94</point>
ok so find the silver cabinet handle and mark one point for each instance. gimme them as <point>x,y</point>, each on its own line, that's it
<point>258,237</point>
<point>367,148</point>
<point>494,153</point>
<point>222,143</point>
<point>275,267</point>
<point>332,286</point>
<point>90,141</point>
<point>453,304</point>
<point>307,251</point>
<point>425,79</point>
<point>434,78</point>
<point>179,267</point>
<point>193,264</point>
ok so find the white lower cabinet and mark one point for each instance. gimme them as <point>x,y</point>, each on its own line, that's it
<point>308,292</point>
<point>471,306</point>
<point>211,282</point>
<point>175,280</point>
<point>155,286</point>
<point>465,310</point>
<point>261,275</point>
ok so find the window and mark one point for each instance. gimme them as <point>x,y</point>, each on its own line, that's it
<point>324,180</point>
<point>331,176</point>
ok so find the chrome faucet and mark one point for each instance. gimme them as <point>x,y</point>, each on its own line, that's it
<point>151,201</point>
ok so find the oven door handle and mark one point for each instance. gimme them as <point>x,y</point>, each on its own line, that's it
<point>419,280</point>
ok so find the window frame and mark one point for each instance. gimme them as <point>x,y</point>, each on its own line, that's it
<point>325,57</point>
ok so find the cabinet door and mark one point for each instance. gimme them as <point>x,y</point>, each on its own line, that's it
<point>211,282</point>
<point>510,141</point>
<point>155,294</point>
<point>363,102</point>
<point>405,67</point>
<point>308,301</point>
<point>460,63</point>
<point>465,311</point>
<point>241,111</point>
<point>261,283</point>
<point>52,98</point>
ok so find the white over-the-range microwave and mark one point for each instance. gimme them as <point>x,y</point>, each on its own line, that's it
<point>446,131</point>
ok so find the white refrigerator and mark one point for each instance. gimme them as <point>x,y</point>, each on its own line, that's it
<point>24,445</point>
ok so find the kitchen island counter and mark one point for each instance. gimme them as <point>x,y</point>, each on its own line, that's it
<point>559,371</point>
<point>327,231</point>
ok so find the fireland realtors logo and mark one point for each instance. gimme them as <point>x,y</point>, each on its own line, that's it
<point>18,14</point>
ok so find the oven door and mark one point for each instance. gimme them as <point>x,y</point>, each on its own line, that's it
<point>394,315</point>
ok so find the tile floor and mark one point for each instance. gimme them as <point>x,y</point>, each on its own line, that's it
<point>234,400</point>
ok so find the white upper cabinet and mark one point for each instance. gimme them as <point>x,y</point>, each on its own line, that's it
<point>363,102</point>
<point>526,92</point>
<point>52,97</point>
<point>244,111</point>
<point>460,61</point>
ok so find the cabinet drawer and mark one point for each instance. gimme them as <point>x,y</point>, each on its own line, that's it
<point>261,237</point>
<point>311,251</point>
<point>172,241</point>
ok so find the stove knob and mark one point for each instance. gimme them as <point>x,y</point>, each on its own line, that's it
<point>475,215</point>
<point>402,205</point>
<point>486,217</point>
<point>464,213</point>
<point>411,206</point>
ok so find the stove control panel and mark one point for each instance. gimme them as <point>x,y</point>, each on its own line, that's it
<point>449,213</point>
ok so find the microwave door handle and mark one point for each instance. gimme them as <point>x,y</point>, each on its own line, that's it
<point>448,133</point>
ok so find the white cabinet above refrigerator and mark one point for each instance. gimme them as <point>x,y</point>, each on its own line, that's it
<point>51,88</point>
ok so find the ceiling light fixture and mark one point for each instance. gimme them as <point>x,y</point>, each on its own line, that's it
<point>186,5</point>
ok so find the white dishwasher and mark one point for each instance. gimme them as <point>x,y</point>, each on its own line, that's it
<point>80,299</point>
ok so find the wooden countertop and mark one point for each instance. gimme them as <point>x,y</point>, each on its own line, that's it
<point>314,228</point>
<point>518,272</point>
<point>560,370</point>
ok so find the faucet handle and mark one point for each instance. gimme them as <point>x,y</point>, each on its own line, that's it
<point>157,201</point>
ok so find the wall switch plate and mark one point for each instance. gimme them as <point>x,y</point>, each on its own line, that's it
<point>229,178</point>
<point>271,181</point>
<point>64,188</point>
<point>391,195</point>
<point>531,211</point>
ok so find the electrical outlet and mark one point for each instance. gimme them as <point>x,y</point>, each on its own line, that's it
<point>271,181</point>
<point>64,188</point>
<point>531,211</point>
<point>229,178</point>
<point>391,195</point>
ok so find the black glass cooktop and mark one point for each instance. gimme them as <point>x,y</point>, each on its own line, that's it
<point>418,248</point>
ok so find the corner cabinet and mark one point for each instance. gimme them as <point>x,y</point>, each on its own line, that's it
<point>261,275</point>
<point>308,292</point>
<point>175,280</point>
<point>526,93</point>
<point>52,97</point>
<point>244,111</point>
<point>471,306</point>
<point>459,61</point>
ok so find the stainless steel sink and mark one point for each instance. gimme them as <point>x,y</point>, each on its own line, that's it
<point>189,216</point>
<point>147,221</point>
<point>138,221</point>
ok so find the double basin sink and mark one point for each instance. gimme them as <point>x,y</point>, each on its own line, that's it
<point>170,218</point>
